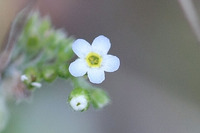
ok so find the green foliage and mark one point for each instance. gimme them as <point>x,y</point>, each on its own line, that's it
<point>44,48</point>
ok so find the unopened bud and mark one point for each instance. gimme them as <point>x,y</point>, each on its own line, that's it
<point>49,74</point>
<point>31,75</point>
<point>63,71</point>
<point>79,99</point>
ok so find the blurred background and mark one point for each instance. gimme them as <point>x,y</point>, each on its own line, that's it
<point>156,89</point>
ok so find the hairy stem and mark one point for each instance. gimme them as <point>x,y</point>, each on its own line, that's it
<point>15,29</point>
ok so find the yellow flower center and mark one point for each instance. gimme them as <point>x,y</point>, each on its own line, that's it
<point>94,60</point>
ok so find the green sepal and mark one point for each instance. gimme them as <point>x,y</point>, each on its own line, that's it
<point>65,52</point>
<point>99,98</point>
<point>63,71</point>
<point>49,73</point>
<point>33,43</point>
<point>45,25</point>
<point>33,75</point>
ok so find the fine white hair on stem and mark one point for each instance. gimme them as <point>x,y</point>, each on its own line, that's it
<point>15,28</point>
<point>191,15</point>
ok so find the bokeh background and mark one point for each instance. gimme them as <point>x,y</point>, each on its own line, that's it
<point>156,89</point>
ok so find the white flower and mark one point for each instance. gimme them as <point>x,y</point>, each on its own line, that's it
<point>79,103</point>
<point>24,77</point>
<point>93,59</point>
<point>35,84</point>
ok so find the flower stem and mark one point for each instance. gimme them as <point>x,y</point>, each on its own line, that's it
<point>15,29</point>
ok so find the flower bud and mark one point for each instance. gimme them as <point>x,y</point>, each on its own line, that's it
<point>29,83</point>
<point>49,73</point>
<point>65,51</point>
<point>33,43</point>
<point>31,24</point>
<point>45,25</point>
<point>99,98</point>
<point>63,71</point>
<point>31,75</point>
<point>31,78</point>
<point>60,35</point>
<point>79,99</point>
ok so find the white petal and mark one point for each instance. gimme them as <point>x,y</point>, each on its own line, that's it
<point>78,68</point>
<point>82,103</point>
<point>24,77</point>
<point>110,63</point>
<point>101,45</point>
<point>81,48</point>
<point>36,84</point>
<point>96,75</point>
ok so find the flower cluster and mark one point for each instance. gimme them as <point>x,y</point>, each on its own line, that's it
<point>44,51</point>
<point>43,54</point>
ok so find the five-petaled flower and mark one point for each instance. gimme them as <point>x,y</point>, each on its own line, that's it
<point>93,59</point>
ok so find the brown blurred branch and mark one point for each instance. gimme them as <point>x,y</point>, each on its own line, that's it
<point>13,33</point>
<point>191,15</point>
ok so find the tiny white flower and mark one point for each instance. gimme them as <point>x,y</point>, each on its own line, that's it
<point>93,59</point>
<point>36,84</point>
<point>79,103</point>
<point>24,77</point>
